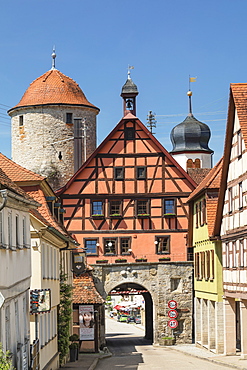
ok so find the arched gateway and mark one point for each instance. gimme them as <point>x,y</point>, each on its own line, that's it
<point>163,282</point>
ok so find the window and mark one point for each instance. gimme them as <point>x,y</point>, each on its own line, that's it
<point>141,173</point>
<point>212,265</point>
<point>1,229</point>
<point>91,246</point>
<point>125,245</point>
<point>10,230</point>
<point>240,195</point>
<point>227,255</point>
<point>97,208</point>
<point>21,123</point>
<point>115,207</point>
<point>129,133</point>
<point>142,207</point>
<point>69,118</point>
<point>207,266</point>
<point>197,163</point>
<point>7,328</point>
<point>17,231</point>
<point>110,246</point>
<point>234,260</point>
<point>239,143</point>
<point>202,272</point>
<point>230,200</point>
<point>204,214</point>
<point>197,215</point>
<point>169,206</point>
<point>24,232</point>
<point>162,244</point>
<point>175,283</point>
<point>197,266</point>
<point>241,253</point>
<point>118,173</point>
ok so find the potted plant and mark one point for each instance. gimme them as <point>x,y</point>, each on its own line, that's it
<point>167,341</point>
<point>119,260</point>
<point>74,347</point>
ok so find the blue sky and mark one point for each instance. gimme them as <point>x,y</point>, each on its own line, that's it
<point>166,41</point>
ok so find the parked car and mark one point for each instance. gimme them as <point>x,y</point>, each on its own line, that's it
<point>138,319</point>
<point>123,318</point>
<point>131,319</point>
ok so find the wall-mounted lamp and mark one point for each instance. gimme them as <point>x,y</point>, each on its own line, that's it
<point>156,242</point>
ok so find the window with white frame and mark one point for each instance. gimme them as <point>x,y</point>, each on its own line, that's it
<point>241,253</point>
<point>227,255</point>
<point>234,259</point>
<point>1,230</point>
<point>17,231</point>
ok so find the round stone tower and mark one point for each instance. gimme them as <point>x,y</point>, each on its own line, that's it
<point>53,127</point>
<point>190,142</point>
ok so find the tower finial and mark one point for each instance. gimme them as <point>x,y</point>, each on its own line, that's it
<point>129,68</point>
<point>53,55</point>
<point>189,93</point>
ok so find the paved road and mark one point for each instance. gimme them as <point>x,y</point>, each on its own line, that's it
<point>132,352</point>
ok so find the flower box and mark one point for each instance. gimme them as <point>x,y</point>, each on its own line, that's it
<point>98,217</point>
<point>169,215</point>
<point>143,215</point>
<point>101,261</point>
<point>164,259</point>
<point>141,259</point>
<point>121,260</point>
<point>115,215</point>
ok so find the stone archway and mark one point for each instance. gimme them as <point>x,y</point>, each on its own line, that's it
<point>149,319</point>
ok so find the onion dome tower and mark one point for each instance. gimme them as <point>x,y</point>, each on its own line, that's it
<point>129,93</point>
<point>53,127</point>
<point>190,142</point>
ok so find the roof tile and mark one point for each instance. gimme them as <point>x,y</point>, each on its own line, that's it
<point>84,291</point>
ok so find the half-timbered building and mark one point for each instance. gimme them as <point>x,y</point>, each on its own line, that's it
<point>234,222</point>
<point>127,202</point>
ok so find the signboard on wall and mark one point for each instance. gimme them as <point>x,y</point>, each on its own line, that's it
<point>86,321</point>
<point>40,300</point>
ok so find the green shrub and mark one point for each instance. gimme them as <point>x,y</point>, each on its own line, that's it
<point>5,360</point>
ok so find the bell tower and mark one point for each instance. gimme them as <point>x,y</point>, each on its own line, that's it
<point>129,94</point>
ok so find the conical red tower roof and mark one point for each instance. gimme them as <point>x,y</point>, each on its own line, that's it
<point>53,87</point>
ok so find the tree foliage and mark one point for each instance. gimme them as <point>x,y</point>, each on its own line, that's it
<point>5,360</point>
<point>64,317</point>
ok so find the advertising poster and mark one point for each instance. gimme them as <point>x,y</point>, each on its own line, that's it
<point>86,321</point>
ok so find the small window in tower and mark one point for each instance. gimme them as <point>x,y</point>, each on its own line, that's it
<point>189,163</point>
<point>69,118</point>
<point>21,121</point>
<point>197,163</point>
<point>129,133</point>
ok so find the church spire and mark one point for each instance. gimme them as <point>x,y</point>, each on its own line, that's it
<point>53,55</point>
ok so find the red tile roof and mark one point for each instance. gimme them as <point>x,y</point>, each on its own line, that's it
<point>212,180</point>
<point>84,291</point>
<point>198,174</point>
<point>16,172</point>
<point>239,92</point>
<point>53,87</point>
<point>6,182</point>
<point>43,212</point>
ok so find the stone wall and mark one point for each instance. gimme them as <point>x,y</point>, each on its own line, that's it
<point>33,143</point>
<point>164,281</point>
